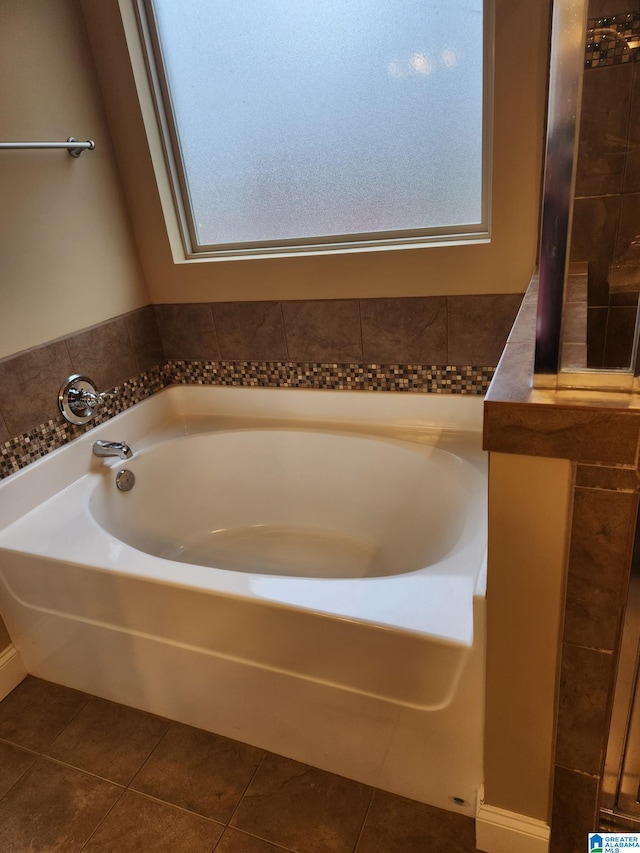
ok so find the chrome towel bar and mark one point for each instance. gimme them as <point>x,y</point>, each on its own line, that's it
<point>72,145</point>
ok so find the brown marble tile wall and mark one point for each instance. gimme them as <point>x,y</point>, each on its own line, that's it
<point>603,123</point>
<point>621,326</point>
<point>562,432</point>
<point>600,553</point>
<point>575,805</point>
<point>593,239</point>
<point>187,332</point>
<point>602,535</point>
<point>412,331</point>
<point>430,330</point>
<point>109,353</point>
<point>601,8</point>
<point>251,331</point>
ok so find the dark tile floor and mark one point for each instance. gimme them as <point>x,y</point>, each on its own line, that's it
<point>79,773</point>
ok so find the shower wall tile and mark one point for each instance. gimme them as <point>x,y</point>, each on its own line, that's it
<point>407,330</point>
<point>324,330</point>
<point>574,357</point>
<point>629,228</point>
<point>4,432</point>
<point>624,298</point>
<point>187,331</point>
<point>576,284</point>
<point>29,385</point>
<point>602,8</point>
<point>250,331</point>
<point>632,174</point>
<point>593,239</point>
<point>596,335</point>
<point>600,555</point>
<point>145,338</point>
<point>586,680</point>
<point>621,325</point>
<point>479,327</point>
<point>575,808</point>
<point>604,124</point>
<point>104,353</point>
<point>574,322</point>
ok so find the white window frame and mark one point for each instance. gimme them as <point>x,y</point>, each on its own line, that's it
<point>152,86</point>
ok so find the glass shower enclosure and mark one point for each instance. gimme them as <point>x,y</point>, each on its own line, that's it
<point>590,235</point>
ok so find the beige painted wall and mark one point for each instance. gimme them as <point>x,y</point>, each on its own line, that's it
<point>529,520</point>
<point>5,640</point>
<point>504,266</point>
<point>67,254</point>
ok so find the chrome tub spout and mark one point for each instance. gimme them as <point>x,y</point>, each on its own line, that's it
<point>112,448</point>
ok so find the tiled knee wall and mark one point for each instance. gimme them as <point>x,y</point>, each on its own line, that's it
<point>421,344</point>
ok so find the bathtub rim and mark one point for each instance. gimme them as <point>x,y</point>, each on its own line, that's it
<point>408,415</point>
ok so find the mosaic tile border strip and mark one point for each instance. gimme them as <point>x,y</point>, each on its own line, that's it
<point>613,40</point>
<point>419,378</point>
<point>32,445</point>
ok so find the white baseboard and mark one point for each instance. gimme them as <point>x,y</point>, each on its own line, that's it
<point>501,831</point>
<point>12,671</point>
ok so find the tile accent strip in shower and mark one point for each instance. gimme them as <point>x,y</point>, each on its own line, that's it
<point>612,40</point>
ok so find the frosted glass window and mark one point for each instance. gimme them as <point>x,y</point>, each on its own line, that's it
<point>315,121</point>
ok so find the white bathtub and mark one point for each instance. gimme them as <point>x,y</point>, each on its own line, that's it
<point>301,570</point>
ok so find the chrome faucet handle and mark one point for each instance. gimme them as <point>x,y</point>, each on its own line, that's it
<point>79,399</point>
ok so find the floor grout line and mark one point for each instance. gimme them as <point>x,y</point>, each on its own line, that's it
<point>20,746</point>
<point>66,726</point>
<point>246,788</point>
<point>176,807</point>
<point>15,782</point>
<point>273,844</point>
<point>364,821</point>
<point>62,763</point>
<point>143,763</point>
<point>102,819</point>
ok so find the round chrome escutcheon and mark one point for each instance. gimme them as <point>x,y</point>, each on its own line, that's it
<point>125,480</point>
